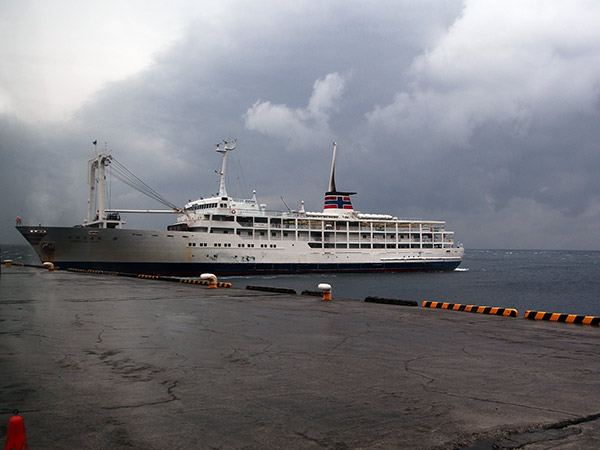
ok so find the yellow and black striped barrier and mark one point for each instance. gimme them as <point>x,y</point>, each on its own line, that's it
<point>558,317</point>
<point>188,281</point>
<point>99,272</point>
<point>148,277</point>
<point>204,282</point>
<point>510,312</point>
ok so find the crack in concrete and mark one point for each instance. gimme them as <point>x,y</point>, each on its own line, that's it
<point>522,437</point>
<point>158,402</point>
<point>500,402</point>
<point>429,380</point>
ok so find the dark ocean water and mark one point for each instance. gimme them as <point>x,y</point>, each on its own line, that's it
<point>543,280</point>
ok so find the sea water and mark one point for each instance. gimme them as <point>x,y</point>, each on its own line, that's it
<point>542,280</point>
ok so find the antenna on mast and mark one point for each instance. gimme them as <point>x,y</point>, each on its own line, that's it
<point>227,147</point>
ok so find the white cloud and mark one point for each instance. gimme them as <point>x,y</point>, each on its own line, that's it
<point>507,62</point>
<point>55,54</point>
<point>299,125</point>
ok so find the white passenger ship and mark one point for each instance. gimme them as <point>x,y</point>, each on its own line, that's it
<point>229,236</point>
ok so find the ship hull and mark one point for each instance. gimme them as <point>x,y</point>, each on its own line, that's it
<point>190,254</point>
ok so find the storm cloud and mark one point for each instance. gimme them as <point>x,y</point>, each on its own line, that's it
<point>478,113</point>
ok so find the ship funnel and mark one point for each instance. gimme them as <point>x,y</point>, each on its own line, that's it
<point>336,201</point>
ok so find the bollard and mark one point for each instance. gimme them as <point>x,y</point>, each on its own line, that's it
<point>15,433</point>
<point>8,262</point>
<point>326,288</point>
<point>49,266</point>
<point>212,279</point>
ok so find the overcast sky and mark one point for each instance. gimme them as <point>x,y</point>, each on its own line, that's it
<point>481,113</point>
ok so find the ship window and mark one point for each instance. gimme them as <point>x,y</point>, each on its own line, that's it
<point>365,245</point>
<point>315,245</point>
<point>244,221</point>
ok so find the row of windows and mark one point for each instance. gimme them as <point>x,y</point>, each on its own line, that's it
<point>338,245</point>
<point>330,245</point>
<point>203,206</point>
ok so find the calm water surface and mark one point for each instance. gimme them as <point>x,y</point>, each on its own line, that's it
<point>554,281</point>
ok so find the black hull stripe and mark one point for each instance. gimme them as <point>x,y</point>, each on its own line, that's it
<point>223,269</point>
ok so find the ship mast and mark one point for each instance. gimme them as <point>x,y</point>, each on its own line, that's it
<point>332,175</point>
<point>96,175</point>
<point>227,147</point>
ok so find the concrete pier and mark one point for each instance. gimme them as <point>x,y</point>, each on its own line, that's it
<point>104,362</point>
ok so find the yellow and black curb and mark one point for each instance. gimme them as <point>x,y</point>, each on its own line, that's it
<point>558,317</point>
<point>204,282</point>
<point>508,312</point>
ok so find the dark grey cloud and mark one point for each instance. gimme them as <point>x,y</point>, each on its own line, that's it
<point>482,115</point>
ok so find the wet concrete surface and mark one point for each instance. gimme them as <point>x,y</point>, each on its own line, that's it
<point>101,362</point>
